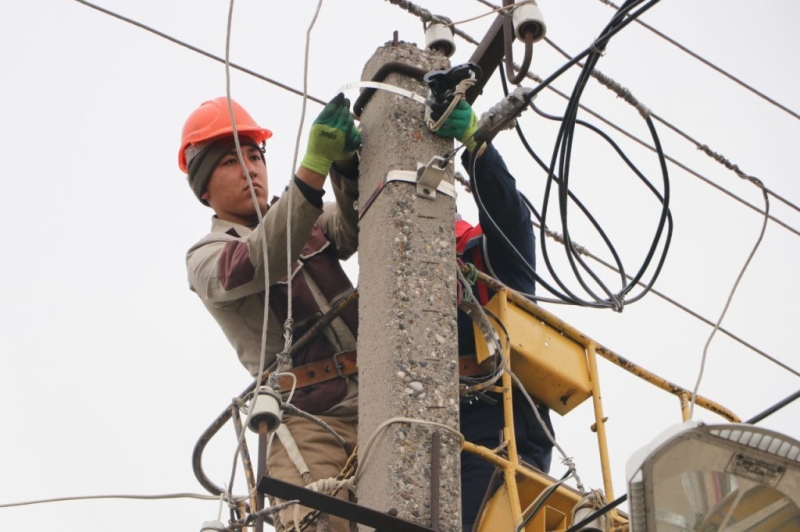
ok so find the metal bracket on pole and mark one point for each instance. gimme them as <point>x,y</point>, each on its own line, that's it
<point>429,180</point>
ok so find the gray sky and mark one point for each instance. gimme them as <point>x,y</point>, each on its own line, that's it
<point>111,368</point>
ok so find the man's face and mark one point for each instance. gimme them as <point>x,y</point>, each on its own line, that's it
<point>228,192</point>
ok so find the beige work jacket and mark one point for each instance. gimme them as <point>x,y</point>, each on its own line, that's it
<point>227,270</point>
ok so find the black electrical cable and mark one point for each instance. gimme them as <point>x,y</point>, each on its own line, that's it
<point>599,513</point>
<point>641,176</point>
<point>774,408</point>
<point>488,221</point>
<point>613,300</point>
<point>561,160</point>
<point>552,489</point>
<point>574,198</point>
<point>594,52</point>
<point>562,151</point>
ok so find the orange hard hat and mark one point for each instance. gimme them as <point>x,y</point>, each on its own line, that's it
<point>212,120</point>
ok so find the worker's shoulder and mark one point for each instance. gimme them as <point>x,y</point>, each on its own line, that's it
<point>222,232</point>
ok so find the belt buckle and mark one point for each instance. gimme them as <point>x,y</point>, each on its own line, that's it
<point>339,365</point>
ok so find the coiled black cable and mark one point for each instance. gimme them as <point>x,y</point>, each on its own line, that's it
<point>561,160</point>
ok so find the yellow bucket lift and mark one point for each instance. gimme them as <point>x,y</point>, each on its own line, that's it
<point>557,366</point>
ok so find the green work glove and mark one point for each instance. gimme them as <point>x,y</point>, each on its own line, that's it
<point>333,136</point>
<point>461,124</point>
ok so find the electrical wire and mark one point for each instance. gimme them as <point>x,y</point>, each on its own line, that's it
<point>495,9</point>
<point>185,495</point>
<point>689,311</point>
<point>289,323</point>
<point>607,81</point>
<point>581,250</point>
<point>674,161</point>
<point>628,281</point>
<point>539,501</point>
<point>730,298</point>
<point>709,64</point>
<point>562,153</point>
<point>198,50</point>
<point>259,216</point>
<point>421,12</point>
<point>561,159</point>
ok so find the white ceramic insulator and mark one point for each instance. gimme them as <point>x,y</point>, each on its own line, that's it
<point>213,526</point>
<point>441,37</point>
<point>267,408</point>
<point>528,17</point>
<point>596,525</point>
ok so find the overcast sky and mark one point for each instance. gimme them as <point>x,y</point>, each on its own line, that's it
<point>110,368</point>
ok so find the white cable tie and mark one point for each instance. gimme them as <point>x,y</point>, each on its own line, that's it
<point>384,87</point>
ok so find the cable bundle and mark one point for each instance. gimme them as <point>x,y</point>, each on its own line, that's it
<point>596,293</point>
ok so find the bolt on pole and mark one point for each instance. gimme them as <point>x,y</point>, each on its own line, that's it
<point>407,342</point>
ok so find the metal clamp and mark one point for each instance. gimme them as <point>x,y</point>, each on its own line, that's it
<point>430,177</point>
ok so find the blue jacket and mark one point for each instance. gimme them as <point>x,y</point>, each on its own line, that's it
<point>476,244</point>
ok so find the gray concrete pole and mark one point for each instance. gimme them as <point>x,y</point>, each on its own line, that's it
<point>407,342</point>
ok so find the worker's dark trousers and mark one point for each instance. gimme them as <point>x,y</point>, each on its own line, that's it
<point>482,423</point>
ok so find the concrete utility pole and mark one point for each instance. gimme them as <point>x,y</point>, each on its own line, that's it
<point>407,341</point>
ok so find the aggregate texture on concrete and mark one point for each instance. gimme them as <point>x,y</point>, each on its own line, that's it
<point>407,341</point>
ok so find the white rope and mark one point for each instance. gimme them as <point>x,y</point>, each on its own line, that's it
<point>758,183</point>
<point>263,350</point>
<point>289,323</point>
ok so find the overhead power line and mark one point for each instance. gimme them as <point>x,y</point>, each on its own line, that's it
<point>197,496</point>
<point>199,50</point>
<point>609,82</point>
<point>710,64</point>
<point>426,15</point>
<point>625,94</point>
<point>422,12</point>
<point>583,251</point>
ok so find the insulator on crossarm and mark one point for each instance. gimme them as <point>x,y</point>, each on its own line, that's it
<point>528,18</point>
<point>266,408</point>
<point>440,38</point>
<point>213,526</point>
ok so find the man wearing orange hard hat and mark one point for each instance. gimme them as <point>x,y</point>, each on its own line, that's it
<point>228,270</point>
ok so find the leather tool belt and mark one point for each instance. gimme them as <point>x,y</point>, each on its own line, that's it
<point>345,364</point>
<point>339,365</point>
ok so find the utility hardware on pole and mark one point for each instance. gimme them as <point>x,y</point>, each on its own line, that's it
<point>407,340</point>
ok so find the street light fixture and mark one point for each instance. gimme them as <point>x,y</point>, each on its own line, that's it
<point>706,478</point>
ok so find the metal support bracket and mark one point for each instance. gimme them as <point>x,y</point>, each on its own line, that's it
<point>429,180</point>
<point>380,521</point>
